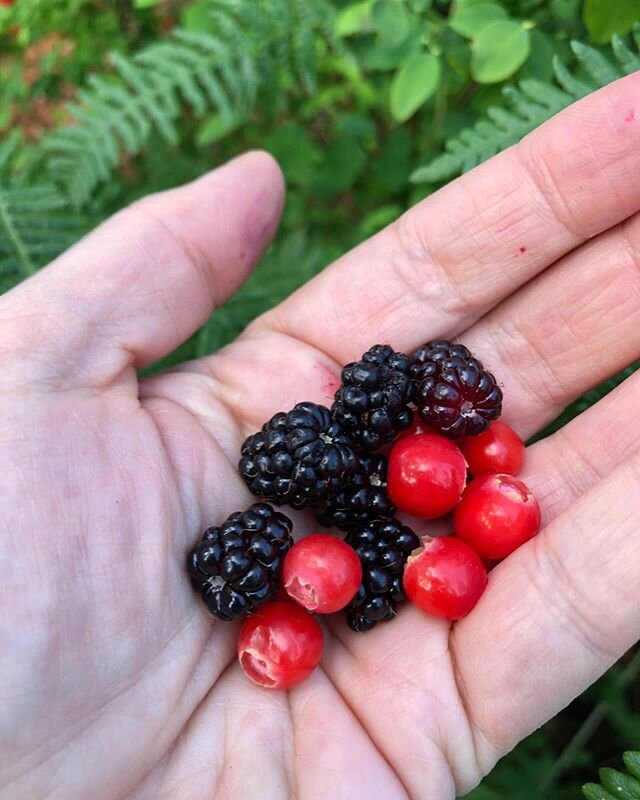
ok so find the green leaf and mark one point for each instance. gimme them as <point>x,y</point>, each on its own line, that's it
<point>469,3</point>
<point>603,18</point>
<point>413,84</point>
<point>567,11</point>
<point>632,762</point>
<point>385,55</point>
<point>470,20</point>
<point>622,786</point>
<point>391,20</point>
<point>216,127</point>
<point>378,219</point>
<point>295,151</point>
<point>343,162</point>
<point>539,65</point>
<point>594,792</point>
<point>391,166</point>
<point>197,17</point>
<point>354,19</point>
<point>145,3</point>
<point>498,51</point>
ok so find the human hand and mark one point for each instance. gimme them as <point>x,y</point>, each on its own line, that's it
<point>114,682</point>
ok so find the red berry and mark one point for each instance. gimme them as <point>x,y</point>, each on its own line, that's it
<point>445,578</point>
<point>496,515</point>
<point>417,426</point>
<point>426,475</point>
<point>279,646</point>
<point>322,573</point>
<point>498,449</point>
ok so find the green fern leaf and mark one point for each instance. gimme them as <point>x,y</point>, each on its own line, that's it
<point>256,45</point>
<point>569,82</point>
<point>620,785</point>
<point>628,60</point>
<point>594,792</point>
<point>615,784</point>
<point>8,149</point>
<point>632,762</point>
<point>597,66</point>
<point>36,225</point>
<point>528,105</point>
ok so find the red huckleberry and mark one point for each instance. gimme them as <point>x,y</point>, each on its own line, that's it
<point>496,515</point>
<point>280,645</point>
<point>417,426</point>
<point>499,450</point>
<point>322,573</point>
<point>426,475</point>
<point>445,577</point>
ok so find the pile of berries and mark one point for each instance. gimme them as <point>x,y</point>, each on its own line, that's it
<point>432,420</point>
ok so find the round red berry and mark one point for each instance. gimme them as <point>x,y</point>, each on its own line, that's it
<point>322,573</point>
<point>279,645</point>
<point>499,450</point>
<point>496,515</point>
<point>445,578</point>
<point>416,427</point>
<point>426,475</point>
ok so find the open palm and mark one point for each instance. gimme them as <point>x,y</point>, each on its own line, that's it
<point>114,682</point>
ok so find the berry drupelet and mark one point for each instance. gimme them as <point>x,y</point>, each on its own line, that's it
<point>299,457</point>
<point>453,392</point>
<point>383,548</point>
<point>237,566</point>
<point>362,500</point>
<point>372,402</point>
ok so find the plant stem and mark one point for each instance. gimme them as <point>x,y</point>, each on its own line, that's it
<point>27,266</point>
<point>591,723</point>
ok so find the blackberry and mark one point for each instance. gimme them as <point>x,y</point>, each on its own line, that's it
<point>372,402</point>
<point>362,500</point>
<point>299,457</point>
<point>383,548</point>
<point>453,391</point>
<point>237,566</point>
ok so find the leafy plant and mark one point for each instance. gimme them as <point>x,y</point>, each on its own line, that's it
<point>348,96</point>
<point>615,785</point>
<point>249,44</point>
<point>529,105</point>
<point>35,224</point>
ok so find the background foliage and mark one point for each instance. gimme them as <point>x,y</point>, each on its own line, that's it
<point>368,106</point>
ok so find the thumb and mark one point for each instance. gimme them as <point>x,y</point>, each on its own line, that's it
<point>146,279</point>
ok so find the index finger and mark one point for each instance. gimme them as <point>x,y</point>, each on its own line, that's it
<point>455,255</point>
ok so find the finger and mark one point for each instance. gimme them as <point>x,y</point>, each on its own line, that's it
<point>564,466</point>
<point>566,331</point>
<point>460,251</point>
<point>253,744</point>
<point>148,278</point>
<point>557,613</point>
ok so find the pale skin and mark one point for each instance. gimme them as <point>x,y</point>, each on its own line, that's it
<point>114,682</point>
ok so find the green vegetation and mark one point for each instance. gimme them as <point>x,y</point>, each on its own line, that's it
<point>369,106</point>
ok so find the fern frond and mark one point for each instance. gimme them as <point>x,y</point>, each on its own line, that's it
<point>253,45</point>
<point>8,149</point>
<point>35,227</point>
<point>614,784</point>
<point>528,105</point>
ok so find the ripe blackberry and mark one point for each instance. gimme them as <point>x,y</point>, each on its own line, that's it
<point>237,566</point>
<point>299,457</point>
<point>383,548</point>
<point>362,500</point>
<point>453,391</point>
<point>372,401</point>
